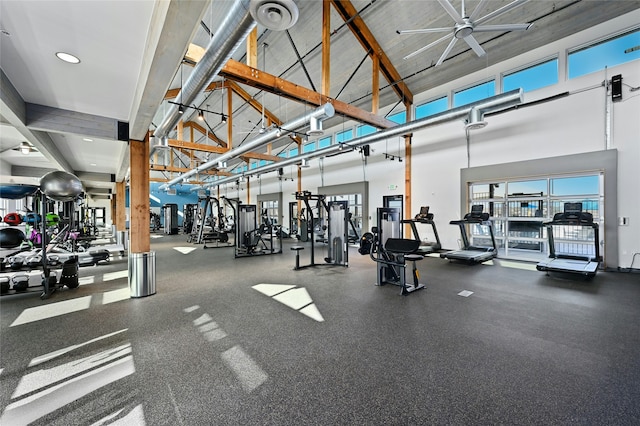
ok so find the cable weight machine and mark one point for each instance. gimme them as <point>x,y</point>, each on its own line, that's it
<point>337,227</point>
<point>251,239</point>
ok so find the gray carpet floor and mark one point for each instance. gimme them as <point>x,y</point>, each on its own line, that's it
<point>322,346</point>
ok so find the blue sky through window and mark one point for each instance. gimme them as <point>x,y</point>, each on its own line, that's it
<point>532,78</point>
<point>310,147</point>
<point>324,142</point>
<point>344,136</point>
<point>399,117</point>
<point>475,93</point>
<point>431,108</point>
<point>365,129</point>
<point>581,185</point>
<point>608,53</point>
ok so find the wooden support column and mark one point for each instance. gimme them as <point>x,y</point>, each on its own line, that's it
<point>248,191</point>
<point>407,172</point>
<point>121,214</point>
<point>252,48</point>
<point>139,196</point>
<point>229,119</point>
<point>326,47</point>
<point>375,85</point>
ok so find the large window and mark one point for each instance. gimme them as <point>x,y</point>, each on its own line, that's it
<point>344,136</point>
<point>475,93</point>
<point>607,53</point>
<point>432,107</point>
<point>365,129</point>
<point>399,117</point>
<point>533,77</point>
<point>518,209</point>
<point>324,142</point>
<point>309,147</point>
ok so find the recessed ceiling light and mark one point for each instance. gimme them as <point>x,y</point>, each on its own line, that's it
<point>94,164</point>
<point>87,139</point>
<point>68,57</point>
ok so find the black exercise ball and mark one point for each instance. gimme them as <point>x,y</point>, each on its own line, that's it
<point>11,237</point>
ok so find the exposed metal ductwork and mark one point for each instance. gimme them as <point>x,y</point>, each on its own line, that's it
<point>234,29</point>
<point>468,113</point>
<point>276,15</point>
<point>321,113</point>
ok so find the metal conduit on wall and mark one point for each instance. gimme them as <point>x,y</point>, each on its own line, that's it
<point>471,112</point>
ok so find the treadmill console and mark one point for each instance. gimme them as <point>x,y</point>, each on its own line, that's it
<point>573,214</point>
<point>476,214</point>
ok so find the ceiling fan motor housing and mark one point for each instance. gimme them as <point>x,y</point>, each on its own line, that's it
<point>463,30</point>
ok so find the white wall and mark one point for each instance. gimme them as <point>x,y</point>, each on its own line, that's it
<point>569,125</point>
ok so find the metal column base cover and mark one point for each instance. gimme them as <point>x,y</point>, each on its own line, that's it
<point>122,237</point>
<point>142,274</point>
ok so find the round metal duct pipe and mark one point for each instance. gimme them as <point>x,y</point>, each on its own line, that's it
<point>478,109</point>
<point>233,30</point>
<point>323,112</point>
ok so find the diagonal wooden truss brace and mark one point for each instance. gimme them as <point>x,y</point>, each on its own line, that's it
<point>163,168</point>
<point>237,71</point>
<point>362,33</point>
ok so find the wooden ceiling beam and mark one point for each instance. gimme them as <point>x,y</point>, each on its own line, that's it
<point>175,169</point>
<point>175,143</point>
<point>254,103</point>
<point>211,136</point>
<point>173,93</point>
<point>163,168</point>
<point>362,33</point>
<point>237,71</point>
<point>159,179</point>
<point>258,156</point>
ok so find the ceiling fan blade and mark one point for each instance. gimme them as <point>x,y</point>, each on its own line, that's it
<point>498,12</point>
<point>477,10</point>
<point>425,30</point>
<point>505,27</point>
<point>422,49</point>
<point>446,51</point>
<point>473,43</point>
<point>451,11</point>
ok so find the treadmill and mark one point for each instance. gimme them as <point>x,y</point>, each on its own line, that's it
<point>573,221</point>
<point>469,253</point>
<point>424,217</point>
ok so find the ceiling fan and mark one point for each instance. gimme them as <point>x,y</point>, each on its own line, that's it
<point>465,26</point>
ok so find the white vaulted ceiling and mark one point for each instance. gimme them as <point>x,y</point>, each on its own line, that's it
<point>131,52</point>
